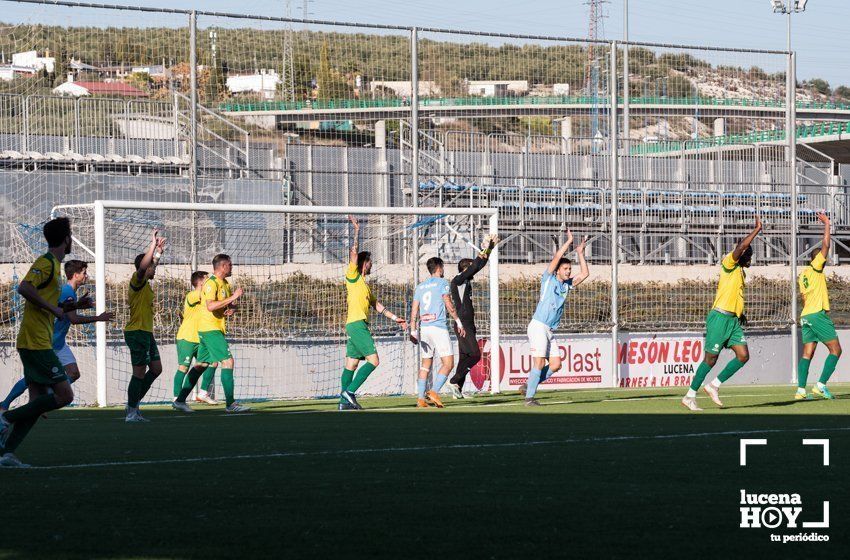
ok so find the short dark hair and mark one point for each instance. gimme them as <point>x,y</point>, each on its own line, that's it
<point>220,258</point>
<point>362,257</point>
<point>138,260</point>
<point>563,261</point>
<point>748,253</point>
<point>433,264</point>
<point>197,276</point>
<point>56,231</point>
<point>74,266</point>
<point>463,264</point>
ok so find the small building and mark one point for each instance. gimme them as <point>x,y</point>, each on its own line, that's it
<point>561,89</point>
<point>264,83</point>
<point>106,89</point>
<point>9,72</point>
<point>427,88</point>
<point>497,88</point>
<point>30,59</point>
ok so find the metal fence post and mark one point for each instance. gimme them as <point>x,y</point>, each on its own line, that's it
<point>615,253</point>
<point>193,131</point>
<point>791,135</point>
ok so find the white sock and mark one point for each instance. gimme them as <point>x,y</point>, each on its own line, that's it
<point>691,394</point>
<point>821,386</point>
<point>202,393</point>
<point>715,383</point>
<point>801,390</point>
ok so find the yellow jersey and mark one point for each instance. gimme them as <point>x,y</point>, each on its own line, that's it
<point>140,297</point>
<point>358,295</point>
<point>730,288</point>
<point>188,330</point>
<point>812,284</point>
<point>36,332</point>
<point>213,290</point>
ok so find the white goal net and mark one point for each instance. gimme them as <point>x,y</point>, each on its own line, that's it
<point>288,334</point>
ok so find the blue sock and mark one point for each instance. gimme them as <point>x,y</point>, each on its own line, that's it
<point>533,381</point>
<point>439,381</point>
<point>18,389</point>
<point>545,373</point>
<point>420,388</point>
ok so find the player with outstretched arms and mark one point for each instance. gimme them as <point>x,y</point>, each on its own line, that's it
<point>461,288</point>
<point>138,333</point>
<point>360,344</point>
<point>188,341</point>
<point>815,320</point>
<point>77,276</point>
<point>431,300</point>
<point>555,285</point>
<point>724,323</point>
<point>47,381</point>
<point>218,302</point>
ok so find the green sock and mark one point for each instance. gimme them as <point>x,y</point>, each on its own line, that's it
<point>33,409</point>
<point>734,365</point>
<point>147,381</point>
<point>702,371</point>
<point>828,368</point>
<point>190,382</point>
<point>361,376</point>
<point>134,389</point>
<point>803,372</point>
<point>207,379</point>
<point>347,376</point>
<point>179,377</point>
<point>227,385</point>
<point>19,431</point>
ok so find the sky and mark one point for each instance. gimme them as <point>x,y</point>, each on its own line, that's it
<point>818,35</point>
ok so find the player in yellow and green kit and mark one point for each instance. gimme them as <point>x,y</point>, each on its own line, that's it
<point>815,320</point>
<point>218,303</point>
<point>723,326</point>
<point>138,333</point>
<point>188,341</point>
<point>360,345</point>
<point>49,388</point>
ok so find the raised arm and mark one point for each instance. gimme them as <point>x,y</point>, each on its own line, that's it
<point>355,242</point>
<point>584,270</point>
<point>559,254</point>
<point>745,242</point>
<point>827,239</point>
<point>149,252</point>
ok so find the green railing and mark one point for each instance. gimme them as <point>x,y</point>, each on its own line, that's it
<point>475,101</point>
<point>804,131</point>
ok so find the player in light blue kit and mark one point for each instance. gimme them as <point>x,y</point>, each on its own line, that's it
<point>77,275</point>
<point>432,299</point>
<point>555,286</point>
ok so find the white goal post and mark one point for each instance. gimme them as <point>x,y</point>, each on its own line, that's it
<point>273,247</point>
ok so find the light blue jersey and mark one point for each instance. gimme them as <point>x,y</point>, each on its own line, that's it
<point>60,328</point>
<point>432,308</point>
<point>553,295</point>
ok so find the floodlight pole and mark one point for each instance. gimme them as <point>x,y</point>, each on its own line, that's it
<point>626,124</point>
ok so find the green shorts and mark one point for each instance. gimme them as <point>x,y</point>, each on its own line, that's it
<point>360,343</point>
<point>213,347</point>
<point>722,331</point>
<point>186,351</point>
<point>818,327</point>
<point>42,367</point>
<point>142,345</point>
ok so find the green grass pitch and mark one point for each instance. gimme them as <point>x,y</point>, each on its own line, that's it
<point>592,474</point>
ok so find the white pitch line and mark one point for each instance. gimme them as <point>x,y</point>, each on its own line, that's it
<point>368,451</point>
<point>678,397</point>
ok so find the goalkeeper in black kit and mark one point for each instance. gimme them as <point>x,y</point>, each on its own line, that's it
<point>461,292</point>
